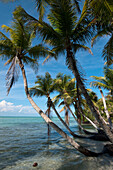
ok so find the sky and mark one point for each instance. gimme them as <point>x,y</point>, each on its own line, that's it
<point>16,103</point>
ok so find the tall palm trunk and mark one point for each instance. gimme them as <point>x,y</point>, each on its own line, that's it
<point>48,112</point>
<point>73,65</point>
<point>105,107</point>
<point>49,109</point>
<point>75,118</point>
<point>66,113</point>
<point>63,122</point>
<point>66,116</point>
<point>78,104</point>
<point>49,121</point>
<point>84,116</point>
<point>87,132</point>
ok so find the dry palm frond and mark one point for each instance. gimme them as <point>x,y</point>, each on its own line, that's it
<point>12,74</point>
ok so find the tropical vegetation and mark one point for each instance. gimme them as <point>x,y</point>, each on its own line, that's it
<point>65,32</point>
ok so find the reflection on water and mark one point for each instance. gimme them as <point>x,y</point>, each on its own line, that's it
<point>24,141</point>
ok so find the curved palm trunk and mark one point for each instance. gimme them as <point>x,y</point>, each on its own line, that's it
<point>75,118</point>
<point>78,104</point>
<point>49,121</point>
<point>64,123</point>
<point>87,132</point>
<point>73,65</point>
<point>82,113</point>
<point>105,107</point>
<point>92,123</point>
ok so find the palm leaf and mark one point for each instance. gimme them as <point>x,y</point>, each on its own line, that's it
<point>108,51</point>
<point>12,74</point>
<point>76,2</point>
<point>62,109</point>
<point>100,34</point>
<point>36,91</point>
<point>41,5</point>
<point>38,50</point>
<point>77,47</point>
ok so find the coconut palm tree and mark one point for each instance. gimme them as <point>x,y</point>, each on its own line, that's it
<point>41,6</point>
<point>18,48</point>
<point>102,10</point>
<point>44,87</point>
<point>65,35</point>
<point>65,87</point>
<point>67,93</point>
<point>107,52</point>
<point>15,49</point>
<point>106,83</point>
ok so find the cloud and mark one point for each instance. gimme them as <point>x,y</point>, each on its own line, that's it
<point>8,108</point>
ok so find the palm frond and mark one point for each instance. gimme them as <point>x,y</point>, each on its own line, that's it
<point>7,29</point>
<point>48,58</point>
<point>76,2</point>
<point>61,103</point>
<point>62,17</point>
<point>41,5</point>
<point>48,33</point>
<point>38,50</point>
<point>62,109</point>
<point>100,34</point>
<point>98,84</point>
<point>36,91</point>
<point>56,99</point>
<point>31,62</point>
<point>6,46</point>
<point>9,61</point>
<point>109,5</point>
<point>108,51</point>
<point>77,47</point>
<point>21,14</point>
<point>12,74</point>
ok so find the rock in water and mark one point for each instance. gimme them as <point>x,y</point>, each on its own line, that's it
<point>35,164</point>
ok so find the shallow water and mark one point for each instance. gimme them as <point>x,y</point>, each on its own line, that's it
<point>24,141</point>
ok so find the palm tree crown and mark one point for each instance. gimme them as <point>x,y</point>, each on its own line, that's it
<point>44,86</point>
<point>19,46</point>
<point>105,82</point>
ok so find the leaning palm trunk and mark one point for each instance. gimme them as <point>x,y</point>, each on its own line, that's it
<point>92,123</point>
<point>78,104</point>
<point>105,107</point>
<point>75,118</point>
<point>50,122</point>
<point>85,131</point>
<point>72,64</point>
<point>63,122</point>
<point>81,111</point>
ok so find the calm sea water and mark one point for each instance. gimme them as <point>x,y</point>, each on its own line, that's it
<point>24,141</point>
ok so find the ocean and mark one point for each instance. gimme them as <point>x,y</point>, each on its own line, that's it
<point>24,140</point>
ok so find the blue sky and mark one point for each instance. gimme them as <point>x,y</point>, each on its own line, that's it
<point>16,103</point>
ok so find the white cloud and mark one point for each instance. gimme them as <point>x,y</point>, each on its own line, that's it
<point>10,108</point>
<point>7,106</point>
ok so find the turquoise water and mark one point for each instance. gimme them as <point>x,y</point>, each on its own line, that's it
<point>24,141</point>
